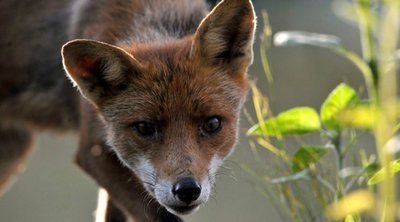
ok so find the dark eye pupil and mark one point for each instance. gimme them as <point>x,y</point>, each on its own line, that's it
<point>211,125</point>
<point>145,128</point>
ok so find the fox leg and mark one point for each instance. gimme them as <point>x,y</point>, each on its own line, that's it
<point>15,147</point>
<point>106,210</point>
<point>113,213</point>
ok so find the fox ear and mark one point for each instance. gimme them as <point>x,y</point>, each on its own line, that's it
<point>226,35</point>
<point>98,69</point>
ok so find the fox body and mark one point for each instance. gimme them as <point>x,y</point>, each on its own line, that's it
<point>162,84</point>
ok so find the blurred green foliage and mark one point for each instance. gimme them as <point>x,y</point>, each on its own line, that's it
<point>340,190</point>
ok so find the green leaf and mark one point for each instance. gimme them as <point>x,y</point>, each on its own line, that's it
<point>295,38</point>
<point>306,156</point>
<point>302,175</point>
<point>298,120</point>
<point>349,218</point>
<point>360,116</point>
<point>343,96</point>
<point>379,176</point>
<point>370,170</point>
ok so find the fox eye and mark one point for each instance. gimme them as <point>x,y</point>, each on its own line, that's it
<point>145,129</point>
<point>211,125</point>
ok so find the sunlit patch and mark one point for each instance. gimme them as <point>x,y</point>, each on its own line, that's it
<point>353,203</point>
<point>101,206</point>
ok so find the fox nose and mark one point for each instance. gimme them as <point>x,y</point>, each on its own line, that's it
<point>187,190</point>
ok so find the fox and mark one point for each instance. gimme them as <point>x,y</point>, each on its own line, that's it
<point>154,88</point>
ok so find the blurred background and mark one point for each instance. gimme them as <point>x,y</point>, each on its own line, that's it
<point>53,189</point>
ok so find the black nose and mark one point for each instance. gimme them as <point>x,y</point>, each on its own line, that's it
<point>187,190</point>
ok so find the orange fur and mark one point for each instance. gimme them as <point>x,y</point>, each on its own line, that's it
<point>174,69</point>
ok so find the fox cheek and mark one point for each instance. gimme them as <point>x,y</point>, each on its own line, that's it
<point>147,173</point>
<point>214,165</point>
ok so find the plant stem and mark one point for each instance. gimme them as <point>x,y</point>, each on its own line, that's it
<point>265,44</point>
<point>364,11</point>
<point>364,68</point>
<point>337,144</point>
<point>387,104</point>
<point>384,91</point>
<point>325,183</point>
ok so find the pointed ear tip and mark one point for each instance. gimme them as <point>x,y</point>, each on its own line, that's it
<point>80,42</point>
<point>74,46</point>
<point>242,3</point>
<point>70,45</point>
<point>65,50</point>
<point>71,49</point>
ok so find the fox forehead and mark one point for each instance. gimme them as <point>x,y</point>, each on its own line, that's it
<point>173,84</point>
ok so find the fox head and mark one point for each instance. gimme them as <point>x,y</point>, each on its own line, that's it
<point>171,109</point>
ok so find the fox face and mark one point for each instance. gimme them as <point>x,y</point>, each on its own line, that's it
<point>171,109</point>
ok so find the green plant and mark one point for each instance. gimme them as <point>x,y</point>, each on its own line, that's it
<point>306,186</point>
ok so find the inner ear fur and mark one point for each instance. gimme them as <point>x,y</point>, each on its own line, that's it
<point>226,34</point>
<point>97,69</point>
